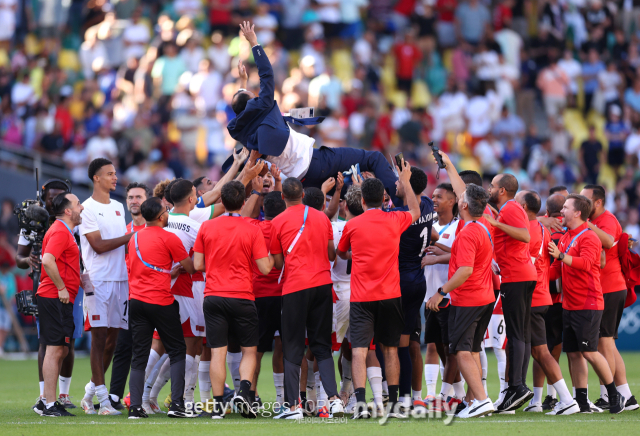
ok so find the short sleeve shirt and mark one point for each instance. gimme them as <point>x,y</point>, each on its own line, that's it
<point>160,249</point>
<point>513,256</point>
<point>540,258</point>
<point>611,276</point>
<point>265,286</point>
<point>60,243</point>
<point>230,246</point>
<point>307,266</point>
<point>374,239</point>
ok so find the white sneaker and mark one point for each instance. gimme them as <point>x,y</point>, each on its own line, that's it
<point>594,408</point>
<point>153,402</point>
<point>500,399</point>
<point>533,407</point>
<point>336,408</point>
<point>288,414</point>
<point>477,409</point>
<point>565,409</point>
<point>351,404</point>
<point>87,406</point>
<point>147,408</point>
<point>108,410</point>
<point>362,414</point>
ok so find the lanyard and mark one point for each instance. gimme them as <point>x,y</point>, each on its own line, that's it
<point>65,224</point>
<point>446,227</point>
<point>484,227</point>
<point>508,201</point>
<point>293,244</point>
<point>148,265</point>
<point>232,214</point>
<point>132,226</point>
<point>574,239</point>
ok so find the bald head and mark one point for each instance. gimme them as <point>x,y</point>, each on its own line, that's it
<point>555,203</point>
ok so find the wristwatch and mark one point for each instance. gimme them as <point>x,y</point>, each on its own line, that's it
<point>441,292</point>
<point>255,192</point>
<point>561,256</point>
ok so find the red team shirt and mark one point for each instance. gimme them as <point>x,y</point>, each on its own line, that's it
<point>512,255</point>
<point>265,286</point>
<point>472,247</point>
<point>232,245</point>
<point>581,289</point>
<point>158,248</point>
<point>375,273</point>
<point>556,235</point>
<point>611,276</point>
<point>307,266</point>
<point>60,243</point>
<point>131,229</point>
<point>540,238</point>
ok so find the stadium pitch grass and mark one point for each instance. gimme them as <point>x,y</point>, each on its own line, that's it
<point>19,388</point>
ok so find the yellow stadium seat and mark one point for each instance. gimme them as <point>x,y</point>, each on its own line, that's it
<point>32,45</point>
<point>68,60</point>
<point>4,59</point>
<point>420,95</point>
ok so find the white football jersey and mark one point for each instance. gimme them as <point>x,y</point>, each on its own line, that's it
<point>341,280</point>
<point>202,214</point>
<point>437,275</point>
<point>185,228</point>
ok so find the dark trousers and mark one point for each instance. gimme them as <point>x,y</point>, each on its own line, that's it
<point>311,308</point>
<point>143,319</point>
<point>121,362</point>
<point>327,162</point>
<point>516,306</point>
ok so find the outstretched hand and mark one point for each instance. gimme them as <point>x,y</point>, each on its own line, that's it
<point>248,31</point>
<point>328,185</point>
<point>242,72</point>
<point>405,174</point>
<point>241,156</point>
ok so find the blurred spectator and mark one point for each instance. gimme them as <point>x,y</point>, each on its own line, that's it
<point>135,37</point>
<point>167,70</point>
<point>76,160</point>
<point>102,145</point>
<point>266,24</point>
<point>573,70</point>
<point>553,83</point>
<point>617,132</point>
<point>489,153</point>
<point>472,17</point>
<point>590,74</point>
<point>509,127</point>
<point>9,221</point>
<point>591,156</point>
<point>407,56</point>
<point>92,51</point>
<point>218,53</point>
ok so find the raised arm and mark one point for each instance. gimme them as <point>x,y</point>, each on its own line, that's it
<point>265,71</point>
<point>412,201</point>
<point>456,181</point>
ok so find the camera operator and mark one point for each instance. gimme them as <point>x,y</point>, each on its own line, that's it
<point>25,259</point>
<point>57,293</point>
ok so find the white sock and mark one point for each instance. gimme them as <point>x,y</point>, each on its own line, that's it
<point>233,362</point>
<point>501,357</point>
<point>278,382</point>
<point>537,395</point>
<point>163,377</point>
<point>624,391</point>
<point>446,390</point>
<point>204,381</point>
<point>385,386</point>
<point>603,393</point>
<point>103,395</point>
<point>64,383</point>
<point>374,374</point>
<point>551,391</point>
<point>150,380</point>
<point>483,365</point>
<point>189,364</point>
<point>347,383</point>
<point>574,393</point>
<point>89,391</point>
<point>417,395</point>
<point>458,389</point>
<point>41,389</point>
<point>49,405</point>
<point>441,371</point>
<point>151,363</point>
<point>431,377</point>
<point>312,394</point>
<point>405,400</point>
<point>323,400</point>
<point>563,392</point>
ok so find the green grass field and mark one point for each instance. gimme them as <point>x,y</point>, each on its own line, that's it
<point>18,385</point>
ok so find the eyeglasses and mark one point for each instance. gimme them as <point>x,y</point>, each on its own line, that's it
<point>163,212</point>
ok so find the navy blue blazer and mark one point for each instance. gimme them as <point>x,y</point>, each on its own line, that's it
<point>260,126</point>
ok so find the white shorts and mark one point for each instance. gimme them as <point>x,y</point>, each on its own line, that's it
<point>191,311</point>
<point>496,336</point>
<point>108,306</point>
<point>341,310</point>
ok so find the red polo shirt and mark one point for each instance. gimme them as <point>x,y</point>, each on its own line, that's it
<point>538,247</point>
<point>513,256</point>
<point>611,276</point>
<point>60,243</point>
<point>265,286</point>
<point>581,289</point>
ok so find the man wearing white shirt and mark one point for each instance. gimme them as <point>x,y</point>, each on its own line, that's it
<point>103,234</point>
<point>135,37</point>
<point>102,146</point>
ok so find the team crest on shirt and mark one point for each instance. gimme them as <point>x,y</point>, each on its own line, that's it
<point>445,236</point>
<point>95,317</point>
<point>118,213</point>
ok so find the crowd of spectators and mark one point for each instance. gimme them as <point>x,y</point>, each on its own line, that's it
<point>547,90</point>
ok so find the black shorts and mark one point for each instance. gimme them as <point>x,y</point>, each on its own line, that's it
<point>230,317</point>
<point>269,317</point>
<point>436,327</point>
<point>538,328</point>
<point>553,325</point>
<point>612,314</point>
<point>615,156</point>
<point>417,331</point>
<point>382,320</point>
<point>467,327</point>
<point>412,301</point>
<point>580,330</point>
<point>56,321</point>
<point>404,84</point>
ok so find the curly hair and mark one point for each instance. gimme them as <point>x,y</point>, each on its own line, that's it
<point>159,189</point>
